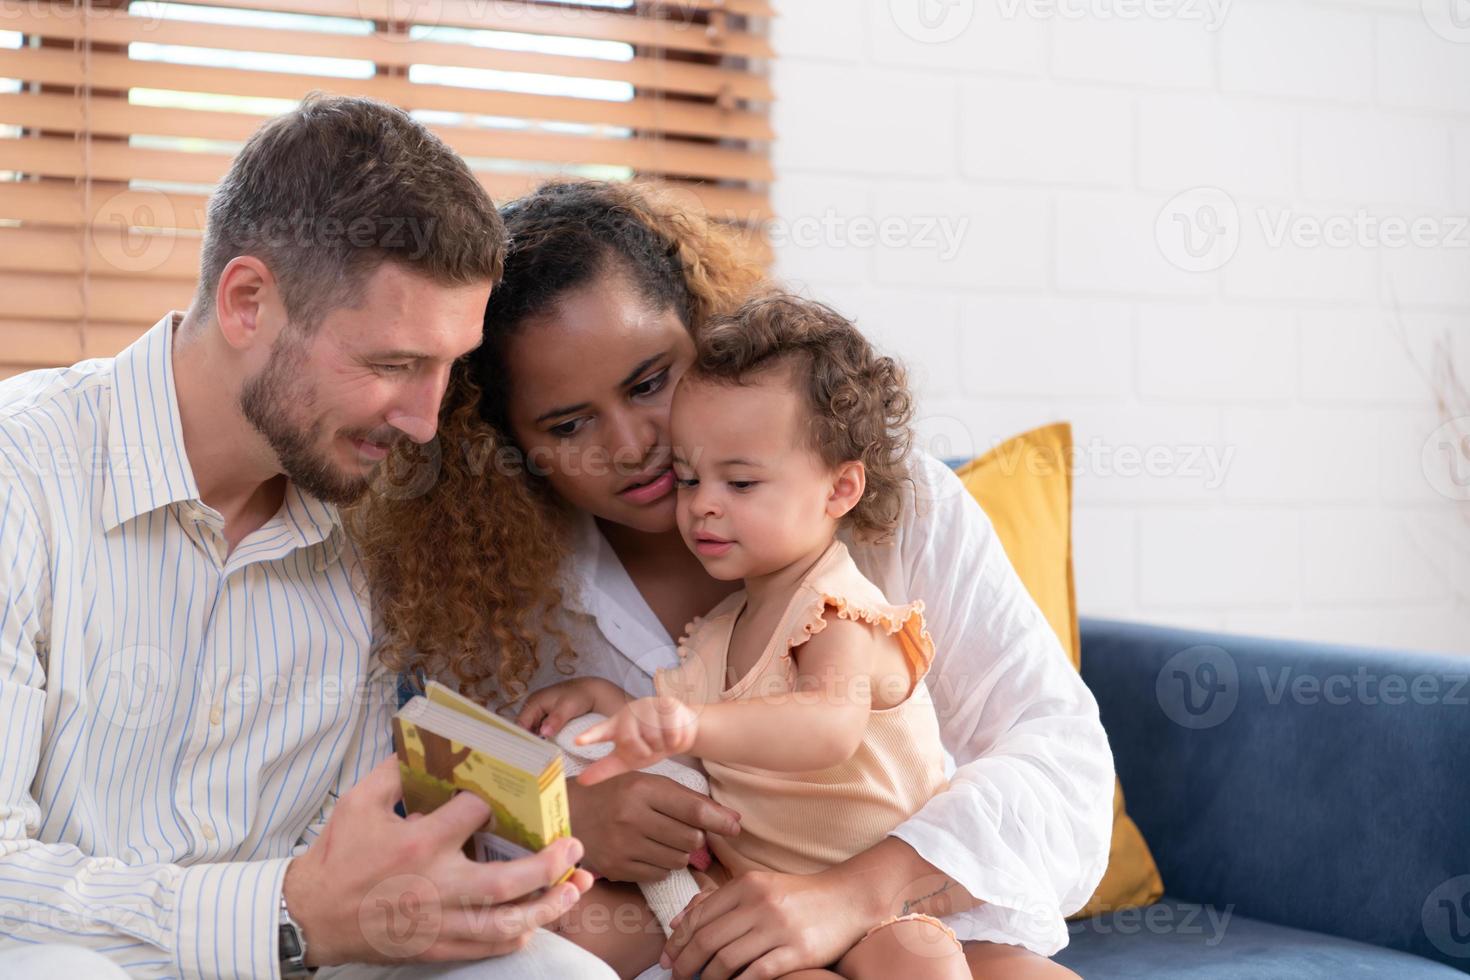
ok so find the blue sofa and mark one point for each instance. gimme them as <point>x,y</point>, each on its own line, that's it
<point>1308,806</point>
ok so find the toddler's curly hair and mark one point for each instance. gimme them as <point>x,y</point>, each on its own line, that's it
<point>861,407</point>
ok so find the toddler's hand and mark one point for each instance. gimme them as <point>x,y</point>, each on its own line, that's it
<point>642,733</point>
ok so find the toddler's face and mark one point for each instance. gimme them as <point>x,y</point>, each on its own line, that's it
<point>752,496</point>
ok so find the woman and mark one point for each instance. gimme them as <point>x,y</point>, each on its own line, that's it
<point>548,547</point>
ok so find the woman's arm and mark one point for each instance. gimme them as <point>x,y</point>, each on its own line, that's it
<point>546,711</point>
<point>1026,822</point>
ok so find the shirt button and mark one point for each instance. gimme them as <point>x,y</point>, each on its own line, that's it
<point>206,831</point>
<point>216,715</point>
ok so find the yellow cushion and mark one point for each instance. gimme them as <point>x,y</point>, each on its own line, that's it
<point>1025,486</point>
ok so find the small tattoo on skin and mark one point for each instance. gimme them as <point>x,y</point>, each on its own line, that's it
<point>909,904</point>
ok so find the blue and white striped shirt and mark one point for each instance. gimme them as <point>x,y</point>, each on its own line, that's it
<point>178,718</point>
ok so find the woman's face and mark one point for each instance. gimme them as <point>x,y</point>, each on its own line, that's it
<point>589,401</point>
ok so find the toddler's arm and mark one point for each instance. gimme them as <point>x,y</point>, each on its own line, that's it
<point>818,725</point>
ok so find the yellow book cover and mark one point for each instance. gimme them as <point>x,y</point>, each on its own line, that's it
<point>446,744</point>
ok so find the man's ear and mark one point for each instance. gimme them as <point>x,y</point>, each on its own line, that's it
<point>849,481</point>
<point>247,304</point>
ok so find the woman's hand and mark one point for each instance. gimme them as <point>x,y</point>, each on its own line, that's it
<point>782,923</point>
<point>643,732</point>
<point>769,924</point>
<point>639,827</point>
<point>549,709</point>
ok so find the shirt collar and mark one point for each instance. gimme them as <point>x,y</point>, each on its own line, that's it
<point>585,563</point>
<point>597,585</point>
<point>147,467</point>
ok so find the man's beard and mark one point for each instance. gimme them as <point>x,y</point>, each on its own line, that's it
<point>267,401</point>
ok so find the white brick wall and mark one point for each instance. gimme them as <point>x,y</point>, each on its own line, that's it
<point>994,193</point>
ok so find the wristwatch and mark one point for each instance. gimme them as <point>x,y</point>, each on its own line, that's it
<point>291,946</point>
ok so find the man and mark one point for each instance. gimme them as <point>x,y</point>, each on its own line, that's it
<point>196,775</point>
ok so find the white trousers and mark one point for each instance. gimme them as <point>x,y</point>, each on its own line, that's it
<point>548,957</point>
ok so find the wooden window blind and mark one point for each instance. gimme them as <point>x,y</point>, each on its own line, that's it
<point>117,118</point>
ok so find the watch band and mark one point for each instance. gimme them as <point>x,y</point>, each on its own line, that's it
<point>291,946</point>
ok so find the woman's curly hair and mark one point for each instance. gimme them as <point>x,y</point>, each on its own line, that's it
<point>466,574</point>
<point>859,401</point>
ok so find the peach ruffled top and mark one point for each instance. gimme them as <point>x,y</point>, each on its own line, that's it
<point>803,822</point>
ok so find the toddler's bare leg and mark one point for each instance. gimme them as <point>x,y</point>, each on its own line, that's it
<point>919,948</point>
<point>614,923</point>
<point>992,960</point>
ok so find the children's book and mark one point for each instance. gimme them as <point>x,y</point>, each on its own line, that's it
<point>447,743</point>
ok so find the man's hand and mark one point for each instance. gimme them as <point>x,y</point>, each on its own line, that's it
<point>375,888</point>
<point>643,732</point>
<point>548,710</point>
<point>639,827</point>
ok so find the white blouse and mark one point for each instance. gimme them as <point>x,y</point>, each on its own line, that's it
<point>1026,820</point>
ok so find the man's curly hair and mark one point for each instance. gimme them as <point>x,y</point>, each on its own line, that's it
<point>859,401</point>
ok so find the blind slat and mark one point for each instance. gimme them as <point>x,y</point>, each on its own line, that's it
<point>646,72</point>
<point>746,8</point>
<point>51,203</point>
<point>39,343</point>
<point>647,155</point>
<point>677,32</point>
<point>116,71</point>
<point>103,250</point>
<point>118,300</point>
